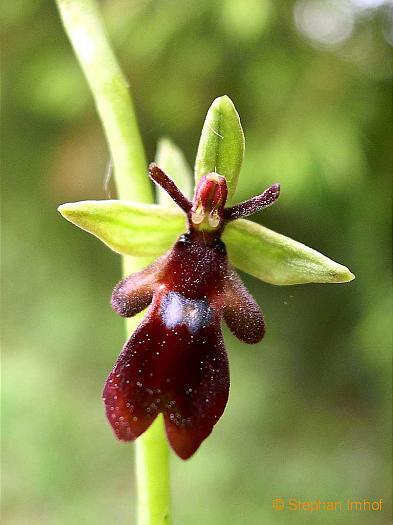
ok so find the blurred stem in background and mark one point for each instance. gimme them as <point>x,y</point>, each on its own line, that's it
<point>85,29</point>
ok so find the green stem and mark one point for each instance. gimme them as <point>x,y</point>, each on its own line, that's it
<point>85,29</point>
<point>152,467</point>
<point>109,87</point>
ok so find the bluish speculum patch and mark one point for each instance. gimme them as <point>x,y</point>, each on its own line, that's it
<point>176,310</point>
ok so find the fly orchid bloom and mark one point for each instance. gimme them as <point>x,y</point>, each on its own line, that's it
<point>175,362</point>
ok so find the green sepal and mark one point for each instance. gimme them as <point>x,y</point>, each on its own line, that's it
<point>276,259</point>
<point>128,228</point>
<point>150,230</point>
<point>221,146</point>
<point>172,161</point>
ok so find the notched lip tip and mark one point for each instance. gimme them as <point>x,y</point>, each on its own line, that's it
<point>184,455</point>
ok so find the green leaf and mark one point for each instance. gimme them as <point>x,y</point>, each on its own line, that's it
<point>170,159</point>
<point>221,146</point>
<point>128,228</point>
<point>277,259</point>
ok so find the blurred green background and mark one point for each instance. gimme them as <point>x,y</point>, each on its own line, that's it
<point>309,414</point>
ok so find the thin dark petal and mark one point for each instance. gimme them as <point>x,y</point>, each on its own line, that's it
<point>166,183</point>
<point>173,365</point>
<point>265,199</point>
<point>134,293</point>
<point>241,312</point>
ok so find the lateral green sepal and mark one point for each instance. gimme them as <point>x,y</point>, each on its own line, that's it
<point>276,259</point>
<point>128,228</point>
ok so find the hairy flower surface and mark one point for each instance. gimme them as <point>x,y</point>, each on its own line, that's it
<point>175,362</point>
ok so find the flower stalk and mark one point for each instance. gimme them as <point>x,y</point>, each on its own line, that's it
<point>85,29</point>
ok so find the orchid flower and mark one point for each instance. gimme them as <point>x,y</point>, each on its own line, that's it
<point>175,362</point>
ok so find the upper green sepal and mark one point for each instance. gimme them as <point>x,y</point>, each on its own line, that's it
<point>128,228</point>
<point>149,230</point>
<point>221,146</point>
<point>276,259</point>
